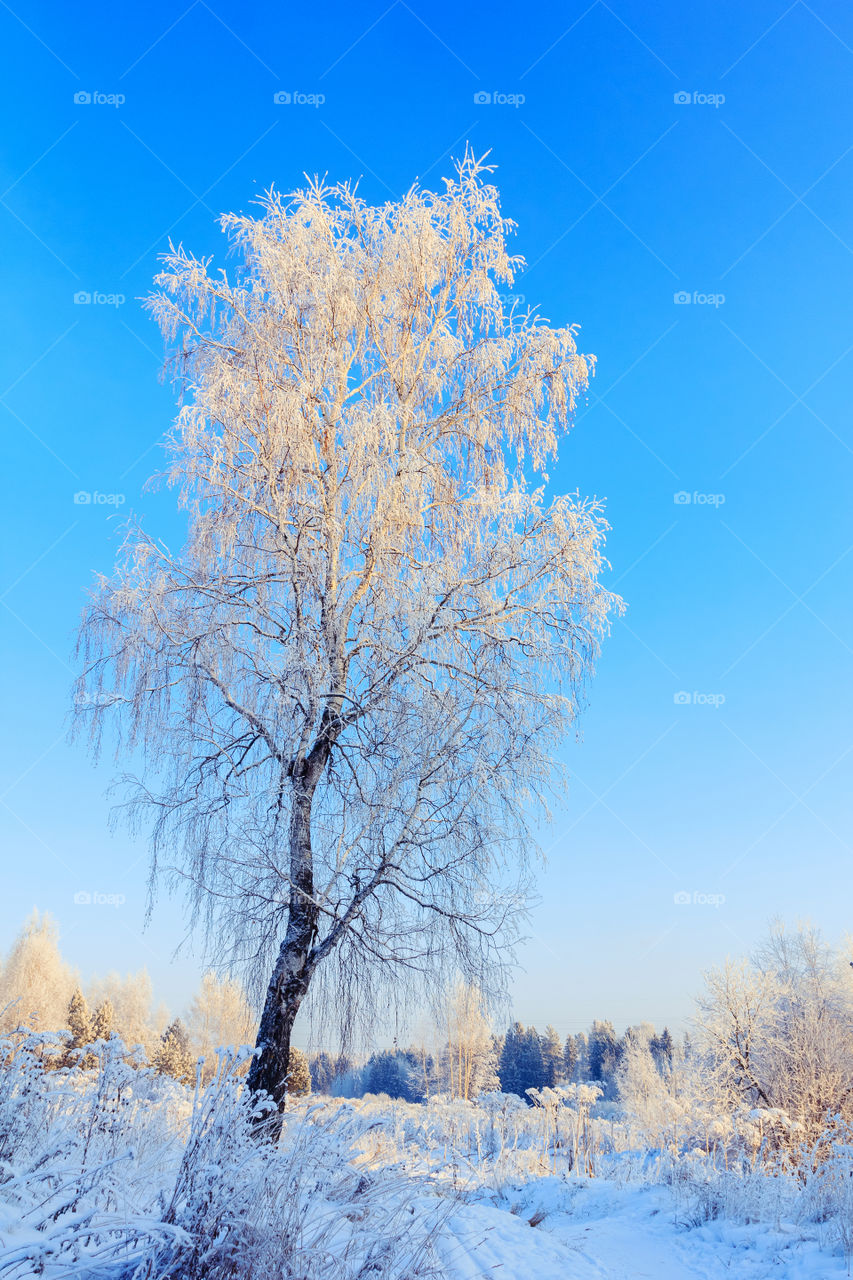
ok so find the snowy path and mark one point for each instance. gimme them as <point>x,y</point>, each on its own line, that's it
<point>602,1232</point>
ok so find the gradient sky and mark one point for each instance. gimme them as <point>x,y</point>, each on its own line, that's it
<point>702,150</point>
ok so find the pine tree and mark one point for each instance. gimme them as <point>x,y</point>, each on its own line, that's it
<point>521,1063</point>
<point>508,1066</point>
<point>102,1020</point>
<point>661,1048</point>
<point>489,1080</point>
<point>298,1072</point>
<point>395,1072</point>
<point>552,1057</point>
<point>174,1056</point>
<point>79,1020</point>
<point>80,1026</point>
<point>531,1068</point>
<point>582,1045</point>
<point>322,1070</point>
<point>603,1052</point>
<point>571,1056</point>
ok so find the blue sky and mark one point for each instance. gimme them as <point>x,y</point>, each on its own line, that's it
<point>704,151</point>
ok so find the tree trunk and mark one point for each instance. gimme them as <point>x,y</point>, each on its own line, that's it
<point>269,1068</point>
<point>293,968</point>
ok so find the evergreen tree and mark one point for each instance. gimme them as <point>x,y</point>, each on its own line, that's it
<point>531,1068</point>
<point>552,1057</point>
<point>79,1020</point>
<point>102,1021</point>
<point>343,1065</point>
<point>571,1056</point>
<point>325,1070</point>
<point>489,1080</point>
<point>298,1072</point>
<point>174,1055</point>
<point>582,1044</point>
<point>603,1052</point>
<point>393,1072</point>
<point>661,1048</point>
<point>508,1065</point>
<point>322,1068</point>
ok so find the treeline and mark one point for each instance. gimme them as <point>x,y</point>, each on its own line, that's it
<point>40,989</point>
<point>521,1059</point>
<point>465,1058</point>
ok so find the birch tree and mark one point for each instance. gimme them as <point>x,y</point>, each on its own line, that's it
<point>468,1062</point>
<point>219,1017</point>
<point>347,688</point>
<point>36,984</point>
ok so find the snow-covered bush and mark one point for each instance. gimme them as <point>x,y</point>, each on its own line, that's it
<point>122,1171</point>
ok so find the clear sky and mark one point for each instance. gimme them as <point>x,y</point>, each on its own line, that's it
<point>646,152</point>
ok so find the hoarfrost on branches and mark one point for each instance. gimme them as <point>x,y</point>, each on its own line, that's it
<point>348,687</point>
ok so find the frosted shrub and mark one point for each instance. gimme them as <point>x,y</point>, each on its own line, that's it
<point>567,1128</point>
<point>25,1106</point>
<point>118,1171</point>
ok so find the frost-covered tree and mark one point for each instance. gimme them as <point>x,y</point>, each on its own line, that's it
<point>130,1000</point>
<point>667,1105</point>
<point>582,1044</point>
<point>467,1064</point>
<point>219,1017</point>
<point>508,1064</point>
<point>326,1070</point>
<point>531,1066</point>
<point>174,1056</point>
<point>36,984</point>
<point>78,1020</point>
<point>394,1072</point>
<point>662,1049</point>
<point>521,1064</point>
<point>571,1057</point>
<point>776,1032</point>
<point>348,687</point>
<point>552,1057</point>
<point>322,1068</point>
<point>102,1020</point>
<point>299,1073</point>
<point>602,1053</point>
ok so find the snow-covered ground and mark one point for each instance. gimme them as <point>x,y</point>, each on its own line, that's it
<point>597,1230</point>
<point>117,1174</point>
